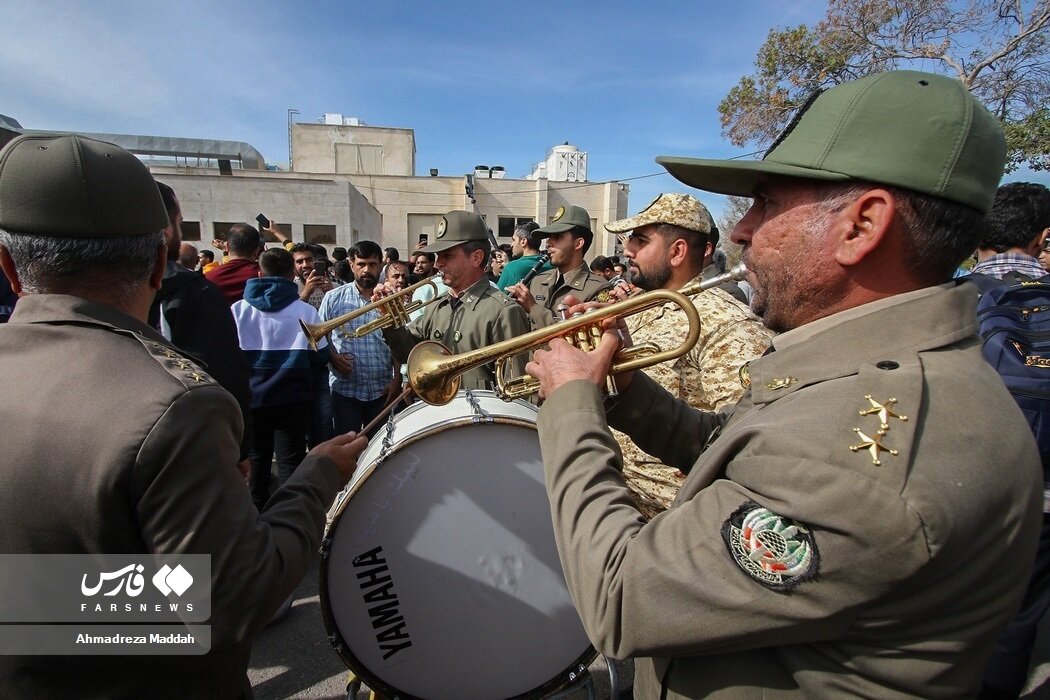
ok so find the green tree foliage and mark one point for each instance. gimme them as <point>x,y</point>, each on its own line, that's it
<point>1000,49</point>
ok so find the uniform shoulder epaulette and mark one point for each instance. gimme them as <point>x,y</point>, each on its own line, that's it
<point>180,366</point>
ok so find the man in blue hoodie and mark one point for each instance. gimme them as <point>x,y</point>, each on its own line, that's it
<point>282,368</point>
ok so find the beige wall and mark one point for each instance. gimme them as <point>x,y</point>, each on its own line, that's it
<point>397,198</point>
<point>207,197</point>
<point>345,150</point>
<point>390,210</point>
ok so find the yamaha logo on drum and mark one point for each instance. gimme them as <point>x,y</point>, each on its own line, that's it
<point>386,617</point>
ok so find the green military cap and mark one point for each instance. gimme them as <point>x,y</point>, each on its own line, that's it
<point>456,228</point>
<point>919,131</point>
<point>76,187</point>
<point>564,219</point>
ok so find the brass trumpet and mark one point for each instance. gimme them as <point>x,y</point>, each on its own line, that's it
<point>394,312</point>
<point>434,372</point>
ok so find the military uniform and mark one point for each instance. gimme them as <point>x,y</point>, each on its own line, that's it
<point>833,536</point>
<point>114,441</point>
<point>707,377</point>
<point>581,283</point>
<point>482,316</point>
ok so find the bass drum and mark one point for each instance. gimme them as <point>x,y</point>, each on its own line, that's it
<point>439,573</point>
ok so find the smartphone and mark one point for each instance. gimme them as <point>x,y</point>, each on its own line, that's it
<point>424,238</point>
<point>263,221</point>
<point>321,267</point>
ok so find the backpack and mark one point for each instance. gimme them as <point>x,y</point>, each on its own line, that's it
<point>1013,316</point>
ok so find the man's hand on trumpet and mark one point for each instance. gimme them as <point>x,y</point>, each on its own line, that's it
<point>563,362</point>
<point>382,290</point>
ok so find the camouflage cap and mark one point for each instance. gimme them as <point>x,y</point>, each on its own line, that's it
<point>456,228</point>
<point>919,131</point>
<point>76,187</point>
<point>564,219</point>
<point>676,209</point>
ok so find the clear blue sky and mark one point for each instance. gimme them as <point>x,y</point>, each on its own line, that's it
<point>495,83</point>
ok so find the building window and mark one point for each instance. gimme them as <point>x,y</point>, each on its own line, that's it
<point>507,224</point>
<point>221,229</point>
<point>319,233</point>
<point>191,230</point>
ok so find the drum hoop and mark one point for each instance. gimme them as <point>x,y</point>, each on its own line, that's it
<point>335,636</point>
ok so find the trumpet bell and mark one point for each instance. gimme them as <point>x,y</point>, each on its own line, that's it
<point>429,380</point>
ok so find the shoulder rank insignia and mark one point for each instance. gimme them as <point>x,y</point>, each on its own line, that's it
<point>873,445</point>
<point>777,552</point>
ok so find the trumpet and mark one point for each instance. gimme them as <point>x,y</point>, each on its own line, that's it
<point>434,372</point>
<point>394,313</point>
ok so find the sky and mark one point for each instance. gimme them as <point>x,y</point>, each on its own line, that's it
<point>496,83</point>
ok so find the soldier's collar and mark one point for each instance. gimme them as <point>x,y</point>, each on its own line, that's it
<point>908,323</point>
<point>474,293</point>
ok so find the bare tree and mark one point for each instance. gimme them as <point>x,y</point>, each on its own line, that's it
<point>999,49</point>
<point>734,211</point>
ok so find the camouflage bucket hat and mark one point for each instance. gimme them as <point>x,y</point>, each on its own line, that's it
<point>919,131</point>
<point>676,209</point>
<point>456,228</point>
<point>76,187</point>
<point>564,219</point>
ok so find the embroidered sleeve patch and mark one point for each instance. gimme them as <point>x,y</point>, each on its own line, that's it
<point>777,552</point>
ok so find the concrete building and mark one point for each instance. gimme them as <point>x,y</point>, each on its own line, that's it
<point>350,181</point>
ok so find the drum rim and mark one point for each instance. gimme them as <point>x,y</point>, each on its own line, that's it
<point>335,636</point>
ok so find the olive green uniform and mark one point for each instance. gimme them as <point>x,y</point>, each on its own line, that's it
<point>840,533</point>
<point>581,283</point>
<point>116,442</point>
<point>483,317</point>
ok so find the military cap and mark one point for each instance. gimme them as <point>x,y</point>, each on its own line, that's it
<point>456,228</point>
<point>76,187</point>
<point>919,131</point>
<point>564,219</point>
<point>676,209</point>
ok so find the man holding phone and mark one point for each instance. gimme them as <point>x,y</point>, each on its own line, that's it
<point>311,275</point>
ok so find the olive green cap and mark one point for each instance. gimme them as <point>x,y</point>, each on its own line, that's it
<point>564,219</point>
<point>919,131</point>
<point>456,228</point>
<point>76,187</point>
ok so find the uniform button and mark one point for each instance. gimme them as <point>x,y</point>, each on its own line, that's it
<point>887,364</point>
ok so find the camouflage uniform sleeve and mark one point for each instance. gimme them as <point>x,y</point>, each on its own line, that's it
<point>731,336</point>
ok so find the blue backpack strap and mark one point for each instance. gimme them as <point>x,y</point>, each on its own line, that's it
<point>984,283</point>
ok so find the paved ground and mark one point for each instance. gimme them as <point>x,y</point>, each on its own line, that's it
<point>292,658</point>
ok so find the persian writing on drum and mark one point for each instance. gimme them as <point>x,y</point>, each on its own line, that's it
<point>392,484</point>
<point>385,609</point>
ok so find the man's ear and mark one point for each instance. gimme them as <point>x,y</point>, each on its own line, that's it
<point>861,227</point>
<point>578,242</point>
<point>678,252</point>
<point>159,266</point>
<point>7,264</point>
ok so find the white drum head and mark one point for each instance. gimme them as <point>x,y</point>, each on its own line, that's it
<point>440,576</point>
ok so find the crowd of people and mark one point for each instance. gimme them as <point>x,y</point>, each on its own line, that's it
<point>831,493</point>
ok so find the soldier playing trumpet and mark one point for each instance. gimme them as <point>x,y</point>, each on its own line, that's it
<point>667,244</point>
<point>473,314</point>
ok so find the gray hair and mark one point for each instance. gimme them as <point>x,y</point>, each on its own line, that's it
<point>939,234</point>
<point>113,267</point>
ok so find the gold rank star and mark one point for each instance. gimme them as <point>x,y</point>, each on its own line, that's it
<point>883,411</point>
<point>872,445</point>
<point>197,377</point>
